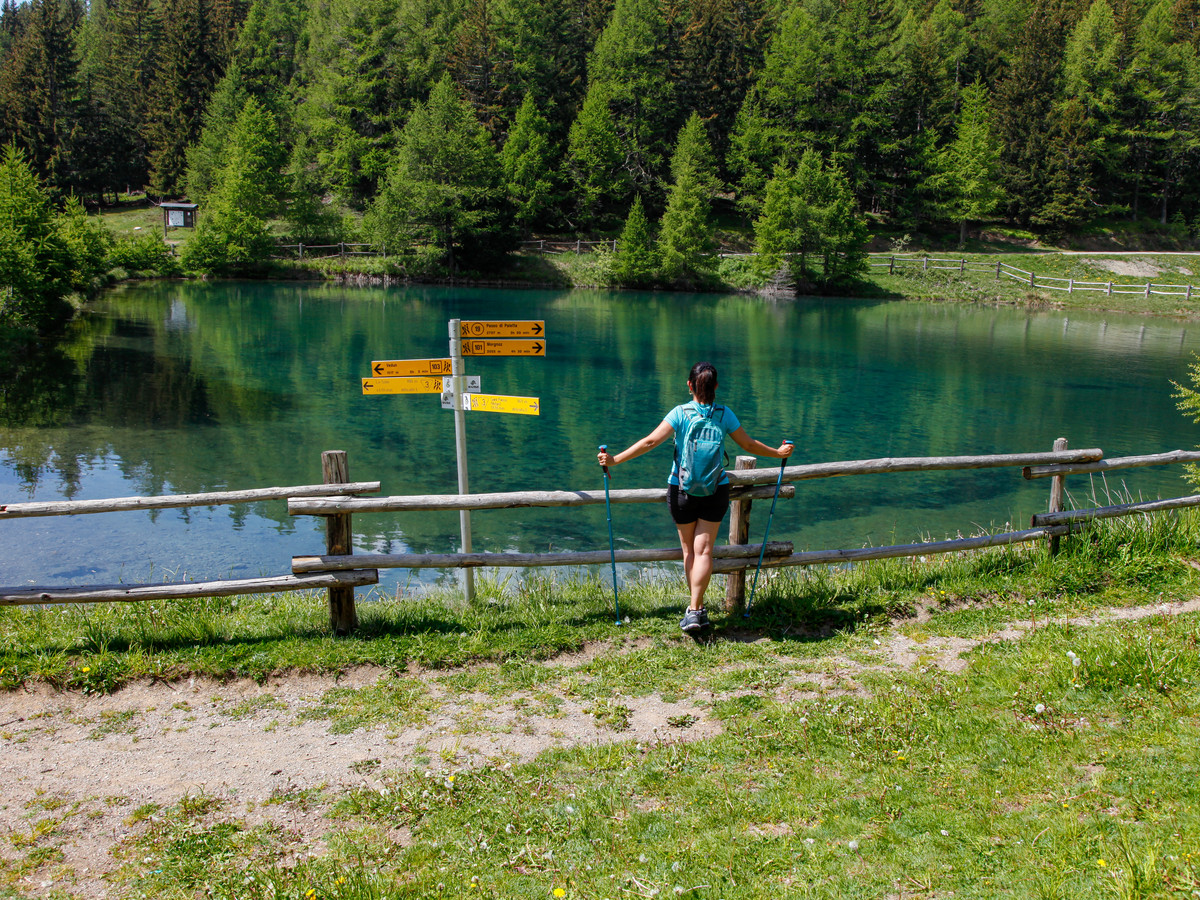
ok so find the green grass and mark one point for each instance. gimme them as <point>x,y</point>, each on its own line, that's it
<point>1025,774</point>
<point>983,287</point>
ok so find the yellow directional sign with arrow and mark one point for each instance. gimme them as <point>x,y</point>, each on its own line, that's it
<point>400,368</point>
<point>503,348</point>
<point>530,328</point>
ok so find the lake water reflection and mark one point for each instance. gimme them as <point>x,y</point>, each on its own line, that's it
<point>182,387</point>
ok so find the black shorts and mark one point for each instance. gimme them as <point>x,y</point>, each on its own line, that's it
<point>686,509</point>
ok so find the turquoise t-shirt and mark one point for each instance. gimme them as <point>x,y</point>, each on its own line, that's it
<point>678,419</point>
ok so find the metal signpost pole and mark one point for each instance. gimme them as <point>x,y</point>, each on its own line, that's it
<point>460,446</point>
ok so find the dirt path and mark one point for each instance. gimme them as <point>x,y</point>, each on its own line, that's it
<point>76,767</point>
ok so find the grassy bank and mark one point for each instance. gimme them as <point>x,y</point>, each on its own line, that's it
<point>858,755</point>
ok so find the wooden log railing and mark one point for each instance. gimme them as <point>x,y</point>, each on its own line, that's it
<point>185,589</point>
<point>507,500</point>
<point>1075,516</point>
<point>339,570</point>
<point>1108,465</point>
<point>304,564</point>
<point>179,501</point>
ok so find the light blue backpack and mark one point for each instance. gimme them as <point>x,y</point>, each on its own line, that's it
<point>700,453</point>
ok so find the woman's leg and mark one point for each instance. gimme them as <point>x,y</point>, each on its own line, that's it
<point>697,539</point>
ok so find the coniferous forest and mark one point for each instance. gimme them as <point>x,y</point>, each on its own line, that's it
<point>464,125</point>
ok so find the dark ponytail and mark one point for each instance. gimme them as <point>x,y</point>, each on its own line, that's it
<point>703,379</point>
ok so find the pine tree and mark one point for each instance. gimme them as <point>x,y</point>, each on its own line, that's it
<point>686,244</point>
<point>39,92</point>
<point>233,235</point>
<point>636,262</point>
<point>528,164</point>
<point>596,160</point>
<point>1025,105</point>
<point>445,186</point>
<point>34,270</point>
<point>718,51</point>
<point>809,218</point>
<point>630,58</point>
<point>189,66</point>
<point>356,88</point>
<point>967,184</point>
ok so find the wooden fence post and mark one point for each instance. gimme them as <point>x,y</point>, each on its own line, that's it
<point>338,542</point>
<point>891,265</point>
<point>739,530</point>
<point>997,270</point>
<point>1070,285</point>
<point>962,266</point>
<point>1057,489</point>
<point>1147,290</point>
<point>1188,298</point>
<point>925,264</point>
<point>1031,280</point>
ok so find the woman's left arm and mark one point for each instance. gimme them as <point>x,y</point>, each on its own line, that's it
<point>758,448</point>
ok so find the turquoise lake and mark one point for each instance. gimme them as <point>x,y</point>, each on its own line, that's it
<point>184,387</point>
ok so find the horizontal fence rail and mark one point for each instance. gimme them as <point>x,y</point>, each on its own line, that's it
<point>1108,465</point>
<point>889,464</point>
<point>1070,285</point>
<point>185,589</point>
<point>179,501</point>
<point>302,564</point>
<point>505,500</point>
<point>1075,516</point>
<point>900,263</point>
<point>930,548</point>
<point>339,570</point>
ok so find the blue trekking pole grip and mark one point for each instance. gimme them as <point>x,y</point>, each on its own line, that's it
<point>767,532</point>
<point>612,547</point>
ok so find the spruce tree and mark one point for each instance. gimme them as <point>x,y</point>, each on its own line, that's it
<point>188,68</point>
<point>34,261</point>
<point>808,220</point>
<point>636,262</point>
<point>630,57</point>
<point>595,160</point>
<point>686,244</point>
<point>528,164</point>
<point>445,186</point>
<point>39,107</point>
<point>233,236</point>
<point>967,183</point>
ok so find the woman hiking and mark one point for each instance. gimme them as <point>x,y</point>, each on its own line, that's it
<point>698,488</point>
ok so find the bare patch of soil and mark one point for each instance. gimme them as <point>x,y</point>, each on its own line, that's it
<point>78,767</point>
<point>1135,268</point>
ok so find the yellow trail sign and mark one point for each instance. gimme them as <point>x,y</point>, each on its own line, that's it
<point>504,348</point>
<point>399,368</point>
<point>431,384</point>
<point>500,403</point>
<point>531,328</point>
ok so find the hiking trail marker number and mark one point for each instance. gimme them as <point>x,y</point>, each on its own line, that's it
<point>460,392</point>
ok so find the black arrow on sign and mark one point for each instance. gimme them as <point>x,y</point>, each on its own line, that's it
<point>537,348</point>
<point>537,327</point>
<point>367,385</point>
<point>377,368</point>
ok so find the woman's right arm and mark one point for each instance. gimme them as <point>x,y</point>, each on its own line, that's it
<point>633,451</point>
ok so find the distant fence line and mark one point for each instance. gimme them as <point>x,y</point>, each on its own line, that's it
<point>895,262</point>
<point>339,570</point>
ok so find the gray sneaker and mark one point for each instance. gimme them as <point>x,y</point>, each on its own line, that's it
<point>694,620</point>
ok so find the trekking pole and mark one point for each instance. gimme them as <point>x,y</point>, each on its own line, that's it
<point>612,547</point>
<point>766,534</point>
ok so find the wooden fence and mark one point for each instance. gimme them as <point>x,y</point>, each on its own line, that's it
<point>326,251</point>
<point>340,570</point>
<point>895,263</point>
<point>577,246</point>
